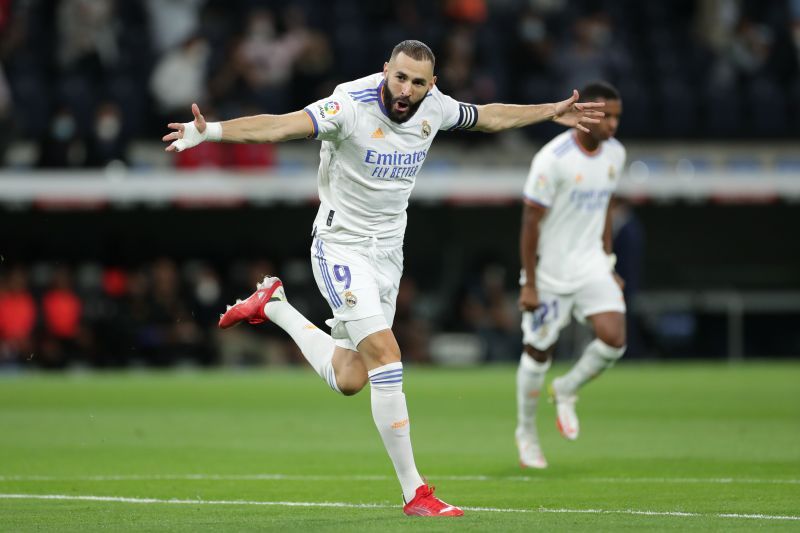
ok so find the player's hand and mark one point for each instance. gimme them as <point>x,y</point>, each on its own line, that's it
<point>575,114</point>
<point>619,280</point>
<point>188,134</point>
<point>528,298</point>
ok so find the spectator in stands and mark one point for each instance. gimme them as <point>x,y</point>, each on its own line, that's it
<point>314,63</point>
<point>62,312</point>
<point>86,50</point>
<point>18,316</point>
<point>62,147</point>
<point>175,328</point>
<point>460,75</point>
<point>592,53</point>
<point>187,63</point>
<point>261,65</point>
<point>107,142</point>
<point>173,23</point>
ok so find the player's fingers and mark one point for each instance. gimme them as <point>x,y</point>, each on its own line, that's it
<point>198,116</point>
<point>587,105</point>
<point>590,120</point>
<point>175,126</point>
<point>172,136</point>
<point>176,146</point>
<point>582,127</point>
<point>574,97</point>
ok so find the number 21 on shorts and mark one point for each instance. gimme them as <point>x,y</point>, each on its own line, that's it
<point>544,312</point>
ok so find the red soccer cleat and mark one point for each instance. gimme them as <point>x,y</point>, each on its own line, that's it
<point>252,309</point>
<point>425,503</point>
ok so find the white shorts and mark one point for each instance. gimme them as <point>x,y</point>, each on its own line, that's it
<point>360,284</point>
<point>540,328</point>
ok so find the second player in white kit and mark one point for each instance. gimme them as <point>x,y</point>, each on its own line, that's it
<point>375,133</point>
<point>568,267</point>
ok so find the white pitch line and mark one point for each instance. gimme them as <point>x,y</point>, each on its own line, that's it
<point>314,477</point>
<point>176,501</point>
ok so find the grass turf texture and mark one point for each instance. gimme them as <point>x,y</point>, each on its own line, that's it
<point>654,437</point>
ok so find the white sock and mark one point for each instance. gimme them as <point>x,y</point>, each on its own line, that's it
<point>391,417</point>
<point>530,378</point>
<point>316,345</point>
<point>597,357</point>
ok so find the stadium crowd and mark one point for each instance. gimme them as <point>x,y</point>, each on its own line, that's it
<point>83,78</point>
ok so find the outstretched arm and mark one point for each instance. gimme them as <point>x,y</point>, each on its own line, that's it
<point>569,112</point>
<point>254,129</point>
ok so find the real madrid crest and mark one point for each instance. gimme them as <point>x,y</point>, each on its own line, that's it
<point>611,173</point>
<point>350,298</point>
<point>426,129</point>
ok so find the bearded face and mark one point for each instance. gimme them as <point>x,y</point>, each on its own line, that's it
<point>400,108</point>
<point>406,83</point>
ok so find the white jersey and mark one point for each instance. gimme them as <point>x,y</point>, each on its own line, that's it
<point>575,186</point>
<point>368,163</point>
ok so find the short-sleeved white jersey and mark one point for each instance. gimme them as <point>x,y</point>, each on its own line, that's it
<point>368,163</point>
<point>575,186</point>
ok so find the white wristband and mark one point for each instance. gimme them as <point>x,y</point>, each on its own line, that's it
<point>612,261</point>
<point>214,131</point>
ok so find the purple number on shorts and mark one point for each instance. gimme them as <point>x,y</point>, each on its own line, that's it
<point>342,273</point>
<point>539,316</point>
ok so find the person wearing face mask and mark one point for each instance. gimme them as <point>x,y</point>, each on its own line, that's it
<point>62,145</point>
<point>376,132</point>
<point>107,143</point>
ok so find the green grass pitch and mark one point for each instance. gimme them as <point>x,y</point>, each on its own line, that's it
<point>662,447</point>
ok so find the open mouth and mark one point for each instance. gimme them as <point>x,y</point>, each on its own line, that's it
<point>401,106</point>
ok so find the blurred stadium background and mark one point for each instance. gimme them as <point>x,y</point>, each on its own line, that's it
<point>115,254</point>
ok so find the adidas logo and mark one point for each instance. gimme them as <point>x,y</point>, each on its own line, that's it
<point>378,134</point>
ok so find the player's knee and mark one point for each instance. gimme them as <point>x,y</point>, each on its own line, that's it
<point>540,356</point>
<point>607,351</point>
<point>611,331</point>
<point>351,385</point>
<point>614,338</point>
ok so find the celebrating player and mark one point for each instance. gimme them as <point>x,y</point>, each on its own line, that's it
<point>375,133</point>
<point>568,267</point>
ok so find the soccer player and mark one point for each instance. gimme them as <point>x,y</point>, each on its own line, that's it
<point>568,267</point>
<point>375,133</point>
